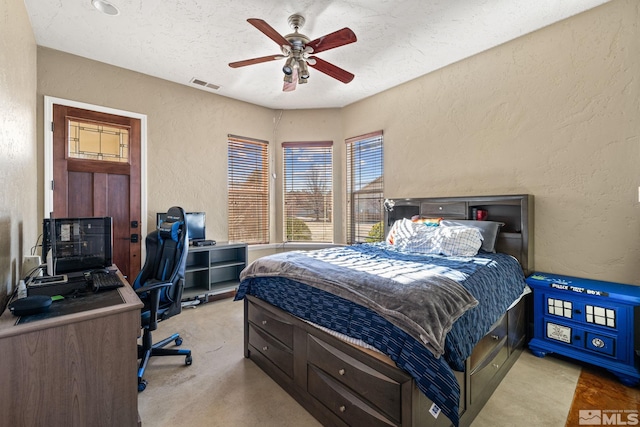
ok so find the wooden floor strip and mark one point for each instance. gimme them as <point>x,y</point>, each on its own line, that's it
<point>600,399</point>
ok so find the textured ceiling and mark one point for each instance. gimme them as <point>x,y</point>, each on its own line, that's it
<point>179,40</point>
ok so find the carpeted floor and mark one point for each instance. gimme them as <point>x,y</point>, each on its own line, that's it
<point>600,399</point>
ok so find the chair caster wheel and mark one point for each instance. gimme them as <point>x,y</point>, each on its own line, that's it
<point>142,384</point>
<point>178,341</point>
<point>188,360</point>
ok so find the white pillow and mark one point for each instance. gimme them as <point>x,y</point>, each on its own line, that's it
<point>489,230</point>
<point>449,241</point>
<point>400,232</point>
<point>459,240</point>
<point>423,240</point>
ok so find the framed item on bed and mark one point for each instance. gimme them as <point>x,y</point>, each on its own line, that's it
<point>404,334</point>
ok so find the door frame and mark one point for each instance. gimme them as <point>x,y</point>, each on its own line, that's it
<point>49,101</point>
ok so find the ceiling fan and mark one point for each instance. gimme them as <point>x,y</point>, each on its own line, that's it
<point>298,49</point>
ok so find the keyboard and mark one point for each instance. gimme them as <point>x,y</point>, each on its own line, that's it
<point>105,281</point>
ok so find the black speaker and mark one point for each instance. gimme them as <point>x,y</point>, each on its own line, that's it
<point>30,305</point>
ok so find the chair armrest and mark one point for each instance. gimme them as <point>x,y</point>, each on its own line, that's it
<point>153,287</point>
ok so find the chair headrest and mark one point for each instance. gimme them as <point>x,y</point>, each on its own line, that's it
<point>172,226</point>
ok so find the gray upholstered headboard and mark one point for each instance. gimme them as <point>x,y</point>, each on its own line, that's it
<point>515,211</point>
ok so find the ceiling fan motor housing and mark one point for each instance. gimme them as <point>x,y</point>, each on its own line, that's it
<point>296,49</point>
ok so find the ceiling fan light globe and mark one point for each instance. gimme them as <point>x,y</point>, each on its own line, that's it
<point>105,7</point>
<point>303,69</point>
<point>288,66</point>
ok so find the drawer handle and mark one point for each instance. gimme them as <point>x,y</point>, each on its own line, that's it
<point>495,365</point>
<point>264,322</point>
<point>495,337</point>
<point>341,372</point>
<point>342,408</point>
<point>265,348</point>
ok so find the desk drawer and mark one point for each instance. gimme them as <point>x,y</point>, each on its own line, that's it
<point>269,322</point>
<point>342,402</point>
<point>272,349</point>
<point>382,391</point>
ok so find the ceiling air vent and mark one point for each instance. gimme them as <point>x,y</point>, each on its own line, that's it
<point>204,84</point>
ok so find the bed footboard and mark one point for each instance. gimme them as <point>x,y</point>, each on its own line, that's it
<point>341,384</point>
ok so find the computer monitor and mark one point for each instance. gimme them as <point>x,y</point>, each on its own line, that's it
<point>196,224</point>
<point>77,244</point>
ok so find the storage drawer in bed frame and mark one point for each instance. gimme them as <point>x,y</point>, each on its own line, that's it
<point>490,344</point>
<point>381,393</point>
<point>342,385</point>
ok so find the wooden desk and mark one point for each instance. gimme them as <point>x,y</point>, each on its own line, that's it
<point>72,370</point>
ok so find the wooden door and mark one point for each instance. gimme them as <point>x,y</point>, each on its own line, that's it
<point>96,172</point>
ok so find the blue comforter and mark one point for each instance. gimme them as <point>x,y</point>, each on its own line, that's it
<point>494,280</point>
<point>412,295</point>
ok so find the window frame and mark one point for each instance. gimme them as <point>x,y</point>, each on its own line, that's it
<point>354,174</point>
<point>248,202</point>
<point>293,231</point>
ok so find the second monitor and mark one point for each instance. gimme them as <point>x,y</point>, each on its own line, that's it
<point>196,224</point>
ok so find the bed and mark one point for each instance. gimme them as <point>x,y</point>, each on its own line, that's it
<point>351,335</point>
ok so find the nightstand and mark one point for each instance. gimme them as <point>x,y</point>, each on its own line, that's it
<point>588,320</point>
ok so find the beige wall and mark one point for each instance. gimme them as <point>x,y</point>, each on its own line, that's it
<point>18,225</point>
<point>312,125</point>
<point>555,114</point>
<point>187,130</point>
<point>187,133</point>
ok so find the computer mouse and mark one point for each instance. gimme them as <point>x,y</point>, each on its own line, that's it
<point>100,271</point>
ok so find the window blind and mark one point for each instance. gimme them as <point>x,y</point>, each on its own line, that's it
<point>365,188</point>
<point>248,189</point>
<point>308,191</point>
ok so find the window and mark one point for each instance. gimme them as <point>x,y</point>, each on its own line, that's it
<point>308,195</point>
<point>98,141</point>
<point>365,185</point>
<point>248,186</point>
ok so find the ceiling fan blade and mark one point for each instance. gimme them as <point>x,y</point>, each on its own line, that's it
<point>268,31</point>
<point>333,40</point>
<point>331,70</point>
<point>290,87</point>
<point>255,61</point>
